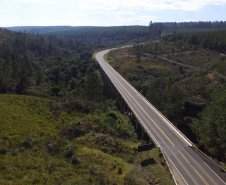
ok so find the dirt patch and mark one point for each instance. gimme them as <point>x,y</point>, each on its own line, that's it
<point>147,54</point>
<point>222,54</point>
<point>185,80</point>
<point>210,75</point>
<point>198,99</point>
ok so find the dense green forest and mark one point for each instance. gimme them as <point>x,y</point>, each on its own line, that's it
<point>163,25</point>
<point>189,25</point>
<point>185,80</point>
<point>213,40</point>
<point>37,64</point>
<point>101,37</point>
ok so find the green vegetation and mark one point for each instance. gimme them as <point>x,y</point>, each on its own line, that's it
<point>215,40</point>
<point>210,126</point>
<point>42,29</point>
<point>46,141</point>
<point>102,37</point>
<point>67,132</point>
<point>183,84</point>
<point>44,66</point>
<point>186,27</point>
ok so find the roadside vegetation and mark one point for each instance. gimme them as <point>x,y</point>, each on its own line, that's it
<point>183,75</point>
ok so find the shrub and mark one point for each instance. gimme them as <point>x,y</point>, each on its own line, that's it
<point>52,148</point>
<point>27,143</point>
<point>72,132</point>
<point>69,151</point>
<point>3,151</point>
<point>112,115</point>
<point>74,159</point>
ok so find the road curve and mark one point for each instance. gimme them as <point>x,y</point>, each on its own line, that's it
<point>174,145</point>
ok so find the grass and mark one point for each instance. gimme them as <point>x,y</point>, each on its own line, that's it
<point>28,115</point>
<point>34,145</point>
<point>106,56</point>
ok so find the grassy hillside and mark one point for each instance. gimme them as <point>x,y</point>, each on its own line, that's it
<point>50,141</point>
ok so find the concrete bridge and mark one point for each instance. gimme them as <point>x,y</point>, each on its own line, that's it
<point>185,165</point>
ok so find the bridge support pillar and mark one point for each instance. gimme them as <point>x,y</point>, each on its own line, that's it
<point>121,104</point>
<point>111,92</point>
<point>145,136</point>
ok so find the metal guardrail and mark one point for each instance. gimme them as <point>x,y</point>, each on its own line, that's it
<point>209,158</point>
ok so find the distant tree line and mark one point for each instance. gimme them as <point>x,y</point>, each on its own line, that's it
<point>214,40</point>
<point>100,37</point>
<point>183,25</point>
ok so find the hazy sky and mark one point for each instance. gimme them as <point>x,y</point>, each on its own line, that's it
<point>108,12</point>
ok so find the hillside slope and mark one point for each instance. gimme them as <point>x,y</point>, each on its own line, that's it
<point>46,141</point>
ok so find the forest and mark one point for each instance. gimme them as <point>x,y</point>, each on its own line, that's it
<point>215,40</point>
<point>189,25</point>
<point>102,37</point>
<point>45,29</point>
<point>46,64</point>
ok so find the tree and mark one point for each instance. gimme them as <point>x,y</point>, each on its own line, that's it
<point>174,104</point>
<point>210,127</point>
<point>86,56</point>
<point>22,86</point>
<point>137,49</point>
<point>39,76</point>
<point>94,86</point>
<point>155,93</point>
<point>3,83</point>
<point>55,90</point>
<point>138,56</point>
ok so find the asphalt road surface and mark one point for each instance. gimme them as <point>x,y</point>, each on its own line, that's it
<point>192,169</point>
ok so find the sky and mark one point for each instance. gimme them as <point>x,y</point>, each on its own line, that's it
<point>107,12</point>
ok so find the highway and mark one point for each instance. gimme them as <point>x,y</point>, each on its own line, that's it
<point>175,146</point>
